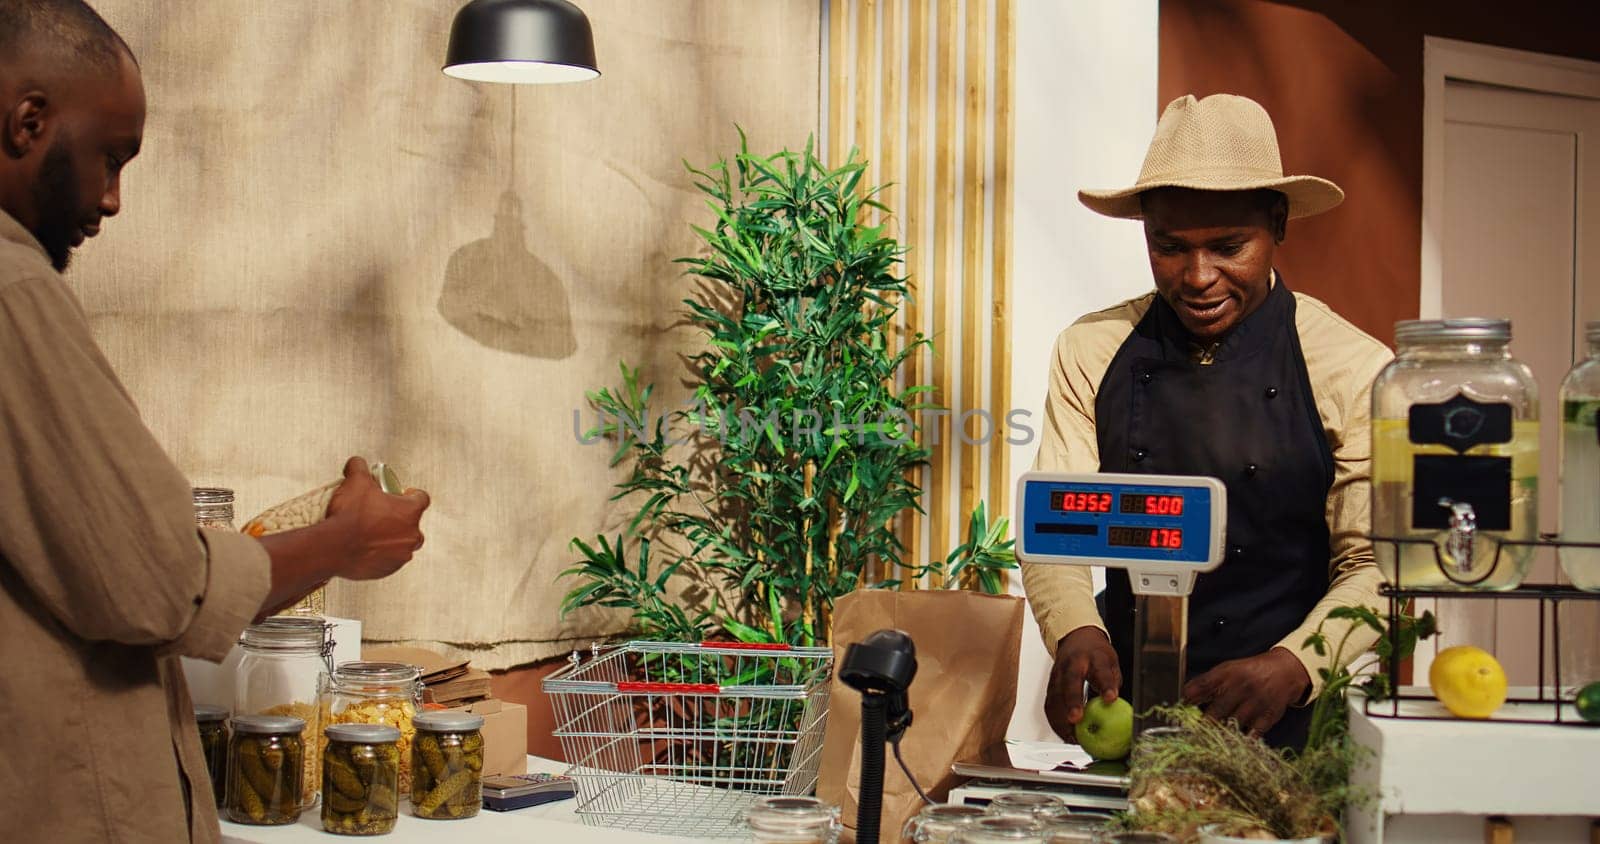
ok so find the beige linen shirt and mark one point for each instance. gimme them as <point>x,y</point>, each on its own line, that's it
<point>1341,363</point>
<point>104,583</point>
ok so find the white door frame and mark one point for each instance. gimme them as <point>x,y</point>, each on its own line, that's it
<point>1445,58</point>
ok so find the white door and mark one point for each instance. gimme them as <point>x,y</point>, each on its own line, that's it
<point>1519,237</point>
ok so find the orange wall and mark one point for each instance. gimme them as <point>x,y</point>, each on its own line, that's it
<point>1343,82</point>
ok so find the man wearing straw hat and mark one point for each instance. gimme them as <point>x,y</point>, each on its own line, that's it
<point>1220,371</point>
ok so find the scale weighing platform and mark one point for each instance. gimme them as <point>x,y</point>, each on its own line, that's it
<point>1164,530</point>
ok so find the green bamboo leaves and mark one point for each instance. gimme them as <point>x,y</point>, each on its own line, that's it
<point>778,486</point>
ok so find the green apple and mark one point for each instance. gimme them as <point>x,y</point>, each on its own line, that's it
<point>1106,731</point>
<point>1589,702</point>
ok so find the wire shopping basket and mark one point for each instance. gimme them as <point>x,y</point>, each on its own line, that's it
<point>682,738</point>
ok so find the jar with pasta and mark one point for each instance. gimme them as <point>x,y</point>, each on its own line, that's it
<point>447,765</point>
<point>281,671</point>
<point>360,779</point>
<point>387,693</point>
<point>212,722</point>
<point>305,510</point>
<point>265,770</point>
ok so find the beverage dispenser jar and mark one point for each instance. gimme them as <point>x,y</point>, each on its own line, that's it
<point>1580,466</point>
<point>1455,457</point>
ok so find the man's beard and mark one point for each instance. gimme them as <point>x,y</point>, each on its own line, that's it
<point>55,196</point>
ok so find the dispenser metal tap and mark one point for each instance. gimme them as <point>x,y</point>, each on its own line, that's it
<point>1463,530</point>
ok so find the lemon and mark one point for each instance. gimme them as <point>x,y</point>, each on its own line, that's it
<point>1468,681</point>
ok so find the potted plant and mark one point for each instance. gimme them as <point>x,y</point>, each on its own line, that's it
<point>1209,782</point>
<point>777,489</point>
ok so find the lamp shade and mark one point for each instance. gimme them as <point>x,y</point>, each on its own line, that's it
<point>521,41</point>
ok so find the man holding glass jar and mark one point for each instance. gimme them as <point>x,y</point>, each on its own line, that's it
<point>104,579</point>
<point>1220,371</point>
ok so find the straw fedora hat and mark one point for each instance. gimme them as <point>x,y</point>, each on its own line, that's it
<point>1223,143</point>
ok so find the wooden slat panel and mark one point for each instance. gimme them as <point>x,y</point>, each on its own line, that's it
<point>973,315</point>
<point>838,80</point>
<point>866,81</point>
<point>1000,328</point>
<point>943,290</point>
<point>916,198</point>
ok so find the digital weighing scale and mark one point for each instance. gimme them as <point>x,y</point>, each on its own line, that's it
<point>1163,529</point>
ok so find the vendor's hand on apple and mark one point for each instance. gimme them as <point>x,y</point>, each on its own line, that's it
<point>1083,654</point>
<point>1255,691</point>
<point>382,530</point>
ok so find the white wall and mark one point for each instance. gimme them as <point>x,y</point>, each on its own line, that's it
<point>1085,109</point>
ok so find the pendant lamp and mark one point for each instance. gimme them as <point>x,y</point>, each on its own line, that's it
<point>521,41</point>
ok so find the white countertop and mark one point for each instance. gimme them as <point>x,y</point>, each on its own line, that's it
<point>554,822</point>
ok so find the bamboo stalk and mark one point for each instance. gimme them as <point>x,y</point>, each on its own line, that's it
<point>866,82</point>
<point>808,603</point>
<point>944,269</point>
<point>1000,328</point>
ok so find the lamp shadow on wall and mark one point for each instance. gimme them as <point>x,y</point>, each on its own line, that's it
<point>497,292</point>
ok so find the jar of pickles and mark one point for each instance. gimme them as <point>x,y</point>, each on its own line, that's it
<point>212,721</point>
<point>447,765</point>
<point>360,779</point>
<point>1455,457</point>
<point>1580,466</point>
<point>937,824</point>
<point>792,820</point>
<point>387,693</point>
<point>265,770</point>
<point>281,671</point>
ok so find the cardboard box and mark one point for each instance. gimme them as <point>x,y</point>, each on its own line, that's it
<point>505,735</point>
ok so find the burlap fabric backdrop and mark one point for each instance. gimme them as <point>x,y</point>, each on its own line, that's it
<point>325,250</point>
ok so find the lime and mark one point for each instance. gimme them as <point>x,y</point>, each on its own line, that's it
<point>1589,702</point>
<point>1468,681</point>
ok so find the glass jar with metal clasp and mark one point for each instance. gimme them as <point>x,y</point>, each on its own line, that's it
<point>281,671</point>
<point>387,693</point>
<point>1455,458</point>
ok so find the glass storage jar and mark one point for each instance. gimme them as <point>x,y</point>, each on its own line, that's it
<point>938,823</point>
<point>360,779</point>
<point>265,770</point>
<point>1064,826</point>
<point>447,765</point>
<point>388,693</point>
<point>1455,457</point>
<point>1000,829</point>
<point>1580,466</point>
<point>212,722</point>
<point>1023,804</point>
<point>213,507</point>
<point>281,671</point>
<point>792,820</point>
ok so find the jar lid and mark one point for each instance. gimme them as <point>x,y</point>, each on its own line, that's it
<point>212,495</point>
<point>287,632</point>
<point>267,725</point>
<point>1459,330</point>
<point>376,672</point>
<point>387,480</point>
<point>206,713</point>
<point>363,733</point>
<point>447,722</point>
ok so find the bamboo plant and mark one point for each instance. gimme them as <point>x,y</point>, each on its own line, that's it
<point>779,485</point>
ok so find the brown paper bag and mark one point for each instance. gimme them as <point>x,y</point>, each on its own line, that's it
<point>962,696</point>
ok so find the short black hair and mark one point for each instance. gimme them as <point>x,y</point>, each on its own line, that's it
<point>69,28</point>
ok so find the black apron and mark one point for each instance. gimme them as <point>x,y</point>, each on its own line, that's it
<point>1248,419</point>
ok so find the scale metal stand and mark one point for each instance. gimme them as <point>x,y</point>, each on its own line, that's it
<point>1163,529</point>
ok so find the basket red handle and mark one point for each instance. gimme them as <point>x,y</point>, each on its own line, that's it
<point>671,688</point>
<point>746,646</point>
